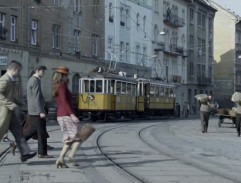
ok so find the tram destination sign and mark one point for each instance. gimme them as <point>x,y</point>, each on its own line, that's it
<point>3,60</point>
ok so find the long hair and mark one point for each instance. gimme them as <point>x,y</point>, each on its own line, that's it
<point>58,79</point>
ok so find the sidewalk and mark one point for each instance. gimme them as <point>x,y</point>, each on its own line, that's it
<point>42,170</point>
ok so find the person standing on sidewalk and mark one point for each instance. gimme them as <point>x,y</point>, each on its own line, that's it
<point>8,105</point>
<point>204,114</point>
<point>238,117</point>
<point>36,112</point>
<point>69,123</point>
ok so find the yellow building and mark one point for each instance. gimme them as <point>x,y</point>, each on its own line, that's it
<point>227,67</point>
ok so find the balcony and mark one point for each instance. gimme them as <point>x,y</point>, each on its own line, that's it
<point>173,20</point>
<point>204,81</point>
<point>159,46</point>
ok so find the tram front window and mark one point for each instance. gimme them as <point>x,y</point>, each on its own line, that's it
<point>99,86</point>
<point>92,86</point>
<point>86,86</point>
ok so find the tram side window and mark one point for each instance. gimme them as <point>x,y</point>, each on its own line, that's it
<point>128,89</point>
<point>156,91</point>
<point>92,85</point>
<point>123,88</point>
<point>171,93</point>
<point>167,92</point>
<point>133,89</point>
<point>152,91</point>
<point>86,87</point>
<point>99,84</point>
<point>118,87</point>
<point>161,91</point>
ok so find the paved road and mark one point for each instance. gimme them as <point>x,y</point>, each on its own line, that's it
<point>152,151</point>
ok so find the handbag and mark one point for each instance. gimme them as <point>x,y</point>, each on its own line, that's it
<point>85,131</point>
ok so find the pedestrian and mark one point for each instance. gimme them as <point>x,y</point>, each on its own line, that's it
<point>238,117</point>
<point>27,122</point>
<point>8,105</point>
<point>204,113</point>
<point>36,113</point>
<point>69,123</point>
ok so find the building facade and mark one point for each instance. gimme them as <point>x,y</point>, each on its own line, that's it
<point>53,33</point>
<point>128,44</point>
<point>227,49</point>
<point>200,50</point>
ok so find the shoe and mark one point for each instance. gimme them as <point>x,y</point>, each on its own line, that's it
<point>28,156</point>
<point>61,164</point>
<point>72,161</point>
<point>13,148</point>
<point>49,147</point>
<point>45,156</point>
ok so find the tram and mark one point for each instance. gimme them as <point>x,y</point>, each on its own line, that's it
<point>109,95</point>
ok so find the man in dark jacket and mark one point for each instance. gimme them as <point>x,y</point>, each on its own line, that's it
<point>36,112</point>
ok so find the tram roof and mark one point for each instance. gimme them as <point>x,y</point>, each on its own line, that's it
<point>155,82</point>
<point>108,75</point>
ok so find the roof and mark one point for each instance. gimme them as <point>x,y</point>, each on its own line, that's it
<point>238,18</point>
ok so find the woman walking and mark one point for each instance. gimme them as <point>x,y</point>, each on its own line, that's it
<point>69,123</point>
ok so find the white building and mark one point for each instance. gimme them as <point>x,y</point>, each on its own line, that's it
<point>170,36</point>
<point>128,34</point>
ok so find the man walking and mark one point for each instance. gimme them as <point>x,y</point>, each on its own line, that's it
<point>8,105</point>
<point>204,114</point>
<point>36,112</point>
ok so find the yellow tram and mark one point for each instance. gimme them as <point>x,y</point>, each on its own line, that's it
<point>106,95</point>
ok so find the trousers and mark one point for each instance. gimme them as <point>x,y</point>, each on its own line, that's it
<point>36,124</point>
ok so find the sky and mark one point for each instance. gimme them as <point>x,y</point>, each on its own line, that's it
<point>233,5</point>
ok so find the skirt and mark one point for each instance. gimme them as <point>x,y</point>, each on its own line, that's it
<point>70,129</point>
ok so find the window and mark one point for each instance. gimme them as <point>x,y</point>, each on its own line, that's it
<point>137,54</point>
<point>203,21</point>
<point>191,69</point>
<point>127,51</point>
<point>111,17</point>
<point>199,19</point>
<point>34,32</point>
<point>96,8</point>
<point>13,21</point>
<point>191,16</point>
<point>144,25</point>
<point>95,44</point>
<point>99,86</point>
<point>128,90</point>
<point>133,89</point>
<point>122,15</point>
<point>86,86</point>
<point>57,3</point>
<point>123,88</point>
<point>109,45</point>
<point>3,30</point>
<point>144,56</point>
<point>118,87</point>
<point>203,46</point>
<point>138,21</point>
<point>161,91</point>
<point>121,51</point>
<point>127,18</point>
<point>156,33</point>
<point>56,36</point>
<point>77,40</point>
<point>78,6</point>
<point>75,84</point>
<point>156,5</point>
<point>191,41</point>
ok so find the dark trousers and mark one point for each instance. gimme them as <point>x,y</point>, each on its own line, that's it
<point>36,124</point>
<point>238,121</point>
<point>204,121</point>
<point>16,129</point>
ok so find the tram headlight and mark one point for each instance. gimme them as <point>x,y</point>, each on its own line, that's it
<point>91,97</point>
